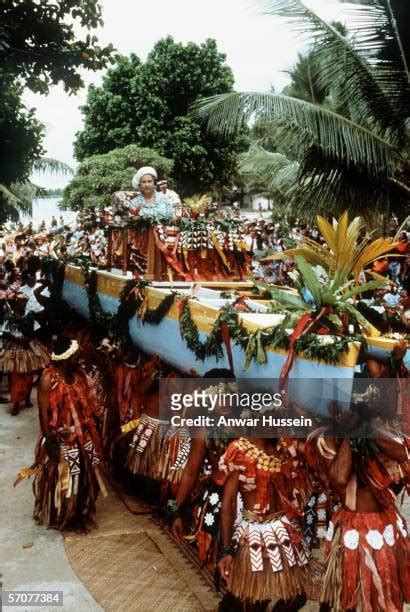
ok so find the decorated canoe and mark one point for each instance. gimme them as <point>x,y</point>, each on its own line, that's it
<point>333,380</point>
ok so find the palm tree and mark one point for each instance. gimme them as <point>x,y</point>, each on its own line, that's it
<point>17,198</point>
<point>269,174</point>
<point>353,150</point>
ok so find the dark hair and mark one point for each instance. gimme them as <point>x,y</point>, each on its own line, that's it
<point>61,345</point>
<point>219,373</point>
<point>26,275</point>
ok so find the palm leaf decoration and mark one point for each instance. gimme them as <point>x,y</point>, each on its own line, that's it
<point>198,203</point>
<point>331,299</point>
<point>344,255</point>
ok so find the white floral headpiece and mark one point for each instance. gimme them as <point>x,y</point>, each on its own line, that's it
<point>73,348</point>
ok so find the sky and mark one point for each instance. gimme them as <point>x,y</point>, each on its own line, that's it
<point>259,49</point>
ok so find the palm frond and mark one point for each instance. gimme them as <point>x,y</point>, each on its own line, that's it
<point>343,62</point>
<point>369,286</point>
<point>268,173</point>
<point>16,199</point>
<point>333,133</point>
<point>52,166</point>
<point>369,16</point>
<point>9,194</point>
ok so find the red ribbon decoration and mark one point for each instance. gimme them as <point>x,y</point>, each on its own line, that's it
<point>226,338</point>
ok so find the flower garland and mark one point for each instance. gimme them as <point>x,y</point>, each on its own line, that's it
<point>154,316</point>
<point>131,301</point>
<point>212,346</point>
<point>254,344</point>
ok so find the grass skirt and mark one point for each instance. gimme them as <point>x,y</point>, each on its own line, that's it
<point>270,562</point>
<point>174,455</point>
<point>67,489</point>
<point>367,562</point>
<point>147,446</point>
<point>24,359</point>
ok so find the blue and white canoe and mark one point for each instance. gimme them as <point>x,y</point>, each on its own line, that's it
<point>331,382</point>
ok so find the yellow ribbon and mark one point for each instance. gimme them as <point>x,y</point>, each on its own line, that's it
<point>219,250</point>
<point>130,426</point>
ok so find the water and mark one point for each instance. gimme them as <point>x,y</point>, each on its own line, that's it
<point>45,209</point>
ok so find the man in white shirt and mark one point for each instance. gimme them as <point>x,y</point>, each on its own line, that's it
<point>171,195</point>
<point>37,293</point>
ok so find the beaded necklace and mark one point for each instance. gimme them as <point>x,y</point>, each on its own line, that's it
<point>265,462</point>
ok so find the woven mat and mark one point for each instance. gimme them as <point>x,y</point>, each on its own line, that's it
<point>129,564</point>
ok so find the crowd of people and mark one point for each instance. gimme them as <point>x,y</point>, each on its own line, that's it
<point>277,519</point>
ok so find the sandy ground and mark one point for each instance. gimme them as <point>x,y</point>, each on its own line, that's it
<point>33,557</point>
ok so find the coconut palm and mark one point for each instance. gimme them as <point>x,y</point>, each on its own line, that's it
<point>269,174</point>
<point>352,152</point>
<point>17,198</point>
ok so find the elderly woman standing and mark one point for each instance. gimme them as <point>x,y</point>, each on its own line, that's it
<point>150,203</point>
<point>151,252</point>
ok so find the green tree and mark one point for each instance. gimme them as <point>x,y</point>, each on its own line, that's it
<point>353,150</point>
<point>41,44</point>
<point>147,104</point>
<point>99,176</point>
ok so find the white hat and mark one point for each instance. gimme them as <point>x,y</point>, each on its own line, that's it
<point>142,172</point>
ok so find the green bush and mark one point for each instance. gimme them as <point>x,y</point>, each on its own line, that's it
<point>99,176</point>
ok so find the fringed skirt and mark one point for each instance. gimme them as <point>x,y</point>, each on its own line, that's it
<point>147,446</point>
<point>367,562</point>
<point>24,359</point>
<point>174,456</point>
<point>270,562</point>
<point>67,489</point>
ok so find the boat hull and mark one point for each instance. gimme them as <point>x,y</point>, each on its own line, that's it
<point>325,382</point>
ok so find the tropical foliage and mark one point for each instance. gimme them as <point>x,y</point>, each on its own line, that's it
<point>269,174</point>
<point>146,103</point>
<point>328,301</point>
<point>347,252</point>
<point>351,145</point>
<point>17,198</point>
<point>100,175</point>
<point>41,44</point>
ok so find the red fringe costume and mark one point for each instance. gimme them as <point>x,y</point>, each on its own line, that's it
<point>271,557</point>
<point>367,553</point>
<point>367,561</point>
<point>68,488</point>
<point>127,378</point>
